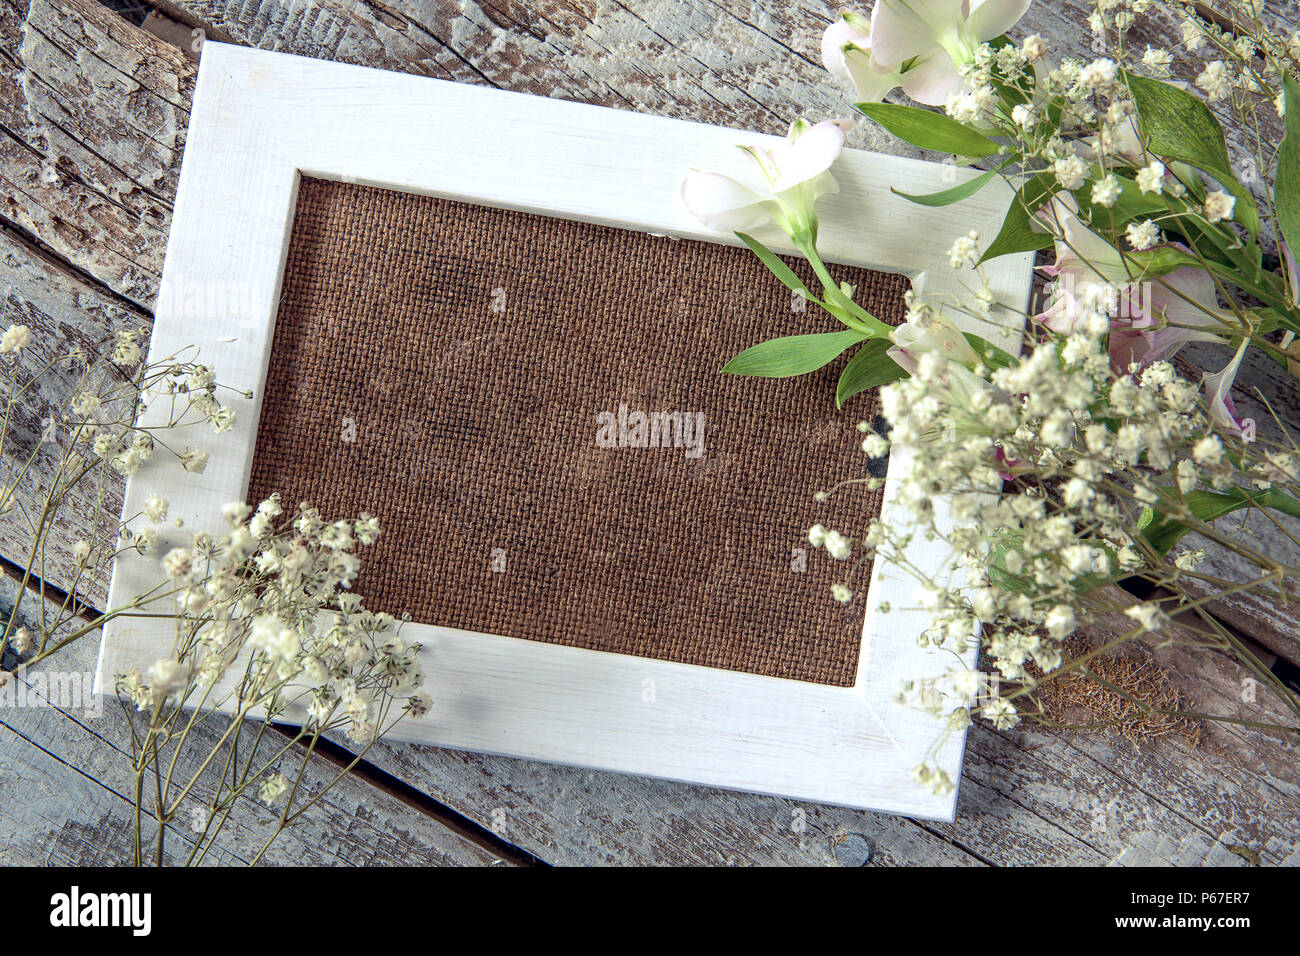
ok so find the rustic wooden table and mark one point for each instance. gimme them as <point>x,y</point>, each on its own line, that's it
<point>93,111</point>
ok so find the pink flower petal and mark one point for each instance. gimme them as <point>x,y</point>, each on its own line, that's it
<point>839,35</point>
<point>1218,389</point>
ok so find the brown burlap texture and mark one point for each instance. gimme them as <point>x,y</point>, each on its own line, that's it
<point>442,366</point>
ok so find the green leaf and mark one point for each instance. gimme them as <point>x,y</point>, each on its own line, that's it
<point>1163,532</point>
<point>1286,187</point>
<point>1154,263</point>
<point>792,355</point>
<point>870,368</point>
<point>928,129</point>
<point>1018,233</point>
<point>776,266</point>
<point>989,354</point>
<point>949,196</point>
<point>1179,127</point>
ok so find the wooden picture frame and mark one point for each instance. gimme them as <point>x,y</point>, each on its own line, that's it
<point>262,120</point>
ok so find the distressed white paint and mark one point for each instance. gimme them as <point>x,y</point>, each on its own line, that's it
<point>259,121</point>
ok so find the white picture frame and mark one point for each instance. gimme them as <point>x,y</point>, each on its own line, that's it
<point>259,122</point>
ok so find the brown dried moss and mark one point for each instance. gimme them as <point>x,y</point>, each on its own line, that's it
<point>1138,709</point>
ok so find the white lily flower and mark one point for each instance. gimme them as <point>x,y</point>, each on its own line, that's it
<point>846,52</point>
<point>787,181</point>
<point>930,41</point>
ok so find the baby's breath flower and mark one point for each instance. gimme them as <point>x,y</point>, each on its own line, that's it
<point>21,641</point>
<point>1214,79</point>
<point>155,509</point>
<point>146,542</point>
<point>1001,713</point>
<point>1151,179</point>
<point>126,347</point>
<point>1144,235</point>
<point>875,446</point>
<point>15,339</point>
<point>178,563</point>
<point>273,788</point>
<point>964,253</point>
<point>1060,621</point>
<point>838,546</point>
<point>1157,60</point>
<point>235,512</point>
<point>1208,451</point>
<point>194,460</point>
<point>1219,206</point>
<point>1106,191</point>
<point>1071,172</point>
<point>1193,35</point>
<point>1034,47</point>
<point>222,419</point>
<point>1099,74</point>
<point>367,529</point>
<point>167,678</point>
<point>1147,614</point>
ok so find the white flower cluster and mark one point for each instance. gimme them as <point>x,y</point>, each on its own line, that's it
<point>99,421</point>
<point>267,603</point>
<point>1084,452</point>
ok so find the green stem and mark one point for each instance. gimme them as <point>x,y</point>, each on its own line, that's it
<point>866,323</point>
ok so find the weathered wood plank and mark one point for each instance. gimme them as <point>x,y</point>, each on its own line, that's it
<point>92,120</point>
<point>64,312</point>
<point>1240,786</point>
<point>570,816</point>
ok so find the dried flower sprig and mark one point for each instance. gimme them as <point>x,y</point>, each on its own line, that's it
<point>266,628</point>
<point>267,631</point>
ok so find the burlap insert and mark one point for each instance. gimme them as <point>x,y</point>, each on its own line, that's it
<point>461,372</point>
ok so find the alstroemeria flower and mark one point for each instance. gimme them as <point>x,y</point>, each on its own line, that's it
<point>937,38</point>
<point>785,183</point>
<point>930,334</point>
<point>1218,389</point>
<point>1149,320</point>
<point>846,52</point>
<point>1089,271</point>
<point>1158,317</point>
